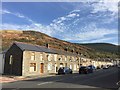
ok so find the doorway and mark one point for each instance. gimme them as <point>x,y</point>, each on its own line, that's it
<point>41,67</point>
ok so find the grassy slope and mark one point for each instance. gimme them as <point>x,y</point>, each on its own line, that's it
<point>38,38</point>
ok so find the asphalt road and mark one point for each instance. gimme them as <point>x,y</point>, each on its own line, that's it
<point>105,79</point>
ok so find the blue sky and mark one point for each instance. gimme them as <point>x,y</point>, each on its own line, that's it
<point>77,22</point>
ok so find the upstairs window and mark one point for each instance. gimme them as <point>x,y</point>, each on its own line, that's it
<point>65,58</point>
<point>55,57</point>
<point>41,58</point>
<point>49,57</point>
<point>33,56</point>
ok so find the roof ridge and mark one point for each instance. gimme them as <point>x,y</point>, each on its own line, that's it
<point>39,48</point>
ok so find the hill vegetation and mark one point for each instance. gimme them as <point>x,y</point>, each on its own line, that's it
<point>38,38</point>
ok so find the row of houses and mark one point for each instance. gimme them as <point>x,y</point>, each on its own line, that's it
<point>26,60</point>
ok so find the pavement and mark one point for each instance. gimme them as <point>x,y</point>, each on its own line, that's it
<point>105,79</point>
<point>9,78</point>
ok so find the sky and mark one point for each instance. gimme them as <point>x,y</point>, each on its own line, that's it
<point>76,22</point>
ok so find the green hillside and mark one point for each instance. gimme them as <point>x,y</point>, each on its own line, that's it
<point>37,38</point>
<point>106,47</point>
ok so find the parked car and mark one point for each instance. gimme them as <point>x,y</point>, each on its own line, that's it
<point>91,68</point>
<point>105,67</point>
<point>98,67</point>
<point>83,69</point>
<point>64,70</point>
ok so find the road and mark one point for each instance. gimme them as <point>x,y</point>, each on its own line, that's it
<point>105,79</point>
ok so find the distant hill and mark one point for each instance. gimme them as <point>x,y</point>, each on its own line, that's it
<point>38,38</point>
<point>106,47</point>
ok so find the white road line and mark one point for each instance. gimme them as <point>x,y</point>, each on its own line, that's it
<point>49,82</point>
<point>44,83</point>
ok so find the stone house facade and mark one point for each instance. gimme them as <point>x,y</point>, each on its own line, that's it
<point>25,60</point>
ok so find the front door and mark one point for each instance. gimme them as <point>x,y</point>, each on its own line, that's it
<point>41,68</point>
<point>56,68</point>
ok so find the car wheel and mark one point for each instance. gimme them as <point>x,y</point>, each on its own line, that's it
<point>86,72</point>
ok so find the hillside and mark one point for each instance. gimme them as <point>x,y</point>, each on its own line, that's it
<point>38,38</point>
<point>106,47</point>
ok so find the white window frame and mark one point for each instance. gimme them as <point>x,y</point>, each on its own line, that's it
<point>70,66</point>
<point>41,58</point>
<point>32,55</point>
<point>55,57</point>
<point>75,67</point>
<point>49,57</point>
<point>50,66</point>
<point>33,67</point>
<point>65,58</point>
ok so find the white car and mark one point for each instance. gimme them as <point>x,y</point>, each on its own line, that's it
<point>105,67</point>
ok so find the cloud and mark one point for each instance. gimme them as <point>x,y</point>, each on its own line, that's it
<point>76,10</point>
<point>73,15</point>
<point>17,14</point>
<point>105,6</point>
<point>91,33</point>
<point>59,25</point>
<point>35,27</point>
<point>76,26</point>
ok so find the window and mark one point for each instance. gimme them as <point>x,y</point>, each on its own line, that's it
<point>70,66</point>
<point>49,57</point>
<point>32,56</point>
<point>61,64</point>
<point>75,66</point>
<point>65,58</point>
<point>55,57</point>
<point>11,59</point>
<point>40,57</point>
<point>49,66</point>
<point>32,67</point>
<point>70,60</point>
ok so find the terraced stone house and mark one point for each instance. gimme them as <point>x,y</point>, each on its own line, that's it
<point>25,60</point>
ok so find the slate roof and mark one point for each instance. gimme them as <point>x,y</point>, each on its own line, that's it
<point>30,47</point>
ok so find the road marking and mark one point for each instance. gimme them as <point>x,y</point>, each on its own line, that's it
<point>44,83</point>
<point>49,82</point>
<point>118,83</point>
